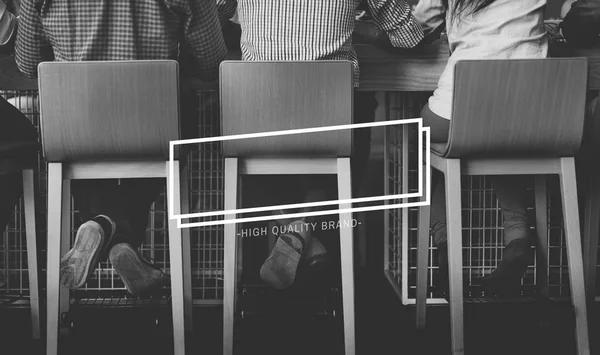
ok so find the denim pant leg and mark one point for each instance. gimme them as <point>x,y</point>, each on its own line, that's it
<point>15,128</point>
<point>510,191</point>
<point>438,208</point>
<point>136,197</point>
<point>512,198</point>
<point>365,105</point>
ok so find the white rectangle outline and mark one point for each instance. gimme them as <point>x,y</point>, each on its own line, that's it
<point>422,129</point>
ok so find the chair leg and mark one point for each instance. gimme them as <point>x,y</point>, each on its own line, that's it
<point>187,256</point>
<point>541,229</point>
<point>31,235</point>
<point>65,245</point>
<point>230,255</point>
<point>422,265</point>
<point>568,189</point>
<point>239,242</point>
<point>176,256</point>
<point>455,262</point>
<point>55,185</point>
<point>591,230</point>
<point>347,255</point>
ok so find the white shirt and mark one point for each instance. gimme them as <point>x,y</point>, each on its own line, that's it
<point>506,29</point>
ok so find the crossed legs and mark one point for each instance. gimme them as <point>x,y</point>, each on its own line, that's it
<point>115,217</point>
<point>296,251</point>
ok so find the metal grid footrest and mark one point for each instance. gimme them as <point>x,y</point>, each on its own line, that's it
<point>14,300</point>
<point>562,302</point>
<point>121,302</point>
<point>260,300</point>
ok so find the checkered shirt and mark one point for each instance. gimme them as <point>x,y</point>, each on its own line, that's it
<point>82,30</point>
<point>314,29</point>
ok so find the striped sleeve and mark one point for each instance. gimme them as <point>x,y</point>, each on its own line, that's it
<point>396,19</point>
<point>204,37</point>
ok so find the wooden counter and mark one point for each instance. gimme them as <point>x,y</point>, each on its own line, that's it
<point>381,70</point>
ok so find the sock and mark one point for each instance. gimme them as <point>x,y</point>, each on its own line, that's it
<point>106,224</point>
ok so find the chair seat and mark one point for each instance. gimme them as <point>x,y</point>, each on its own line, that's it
<point>15,156</point>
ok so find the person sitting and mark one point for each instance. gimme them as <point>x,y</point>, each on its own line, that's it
<point>304,30</point>
<point>483,29</point>
<point>116,214</point>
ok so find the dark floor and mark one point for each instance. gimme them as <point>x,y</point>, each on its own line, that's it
<point>383,327</point>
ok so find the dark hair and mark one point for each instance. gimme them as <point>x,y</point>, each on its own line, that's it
<point>467,7</point>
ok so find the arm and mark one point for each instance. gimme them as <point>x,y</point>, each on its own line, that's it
<point>581,25</point>
<point>226,10</point>
<point>431,15</point>
<point>30,40</point>
<point>396,19</point>
<point>203,36</point>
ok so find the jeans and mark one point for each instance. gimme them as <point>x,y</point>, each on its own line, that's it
<point>510,191</point>
<point>14,128</point>
<point>365,105</point>
<point>127,202</point>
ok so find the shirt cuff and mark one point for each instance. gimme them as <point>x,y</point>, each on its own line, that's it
<point>408,36</point>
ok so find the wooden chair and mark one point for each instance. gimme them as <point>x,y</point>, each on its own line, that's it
<point>110,120</point>
<point>273,96</point>
<point>511,117</point>
<point>13,159</point>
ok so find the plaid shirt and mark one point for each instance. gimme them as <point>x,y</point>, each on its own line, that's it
<point>81,30</point>
<point>314,29</point>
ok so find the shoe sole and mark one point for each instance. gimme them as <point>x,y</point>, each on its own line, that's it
<point>131,268</point>
<point>280,269</point>
<point>75,265</point>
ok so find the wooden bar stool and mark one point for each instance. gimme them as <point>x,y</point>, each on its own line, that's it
<point>511,117</point>
<point>110,120</point>
<point>260,97</point>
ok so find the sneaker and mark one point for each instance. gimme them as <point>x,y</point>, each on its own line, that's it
<point>139,275</point>
<point>76,265</point>
<point>505,281</point>
<point>280,268</point>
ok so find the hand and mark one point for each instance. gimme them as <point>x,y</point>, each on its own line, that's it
<point>553,30</point>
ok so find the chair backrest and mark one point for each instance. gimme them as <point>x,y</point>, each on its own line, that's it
<point>260,97</point>
<point>108,111</point>
<point>518,107</point>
